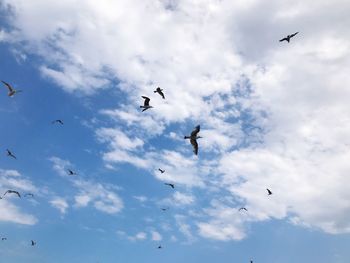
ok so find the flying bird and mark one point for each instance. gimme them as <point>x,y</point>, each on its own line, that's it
<point>160,92</point>
<point>33,242</point>
<point>12,91</point>
<point>165,208</point>
<point>171,185</point>
<point>159,247</point>
<point>193,139</point>
<point>146,105</point>
<point>10,154</point>
<point>162,171</point>
<point>57,121</point>
<point>12,192</point>
<point>29,194</point>
<point>3,238</point>
<point>243,208</point>
<point>70,172</point>
<point>268,191</point>
<point>287,38</point>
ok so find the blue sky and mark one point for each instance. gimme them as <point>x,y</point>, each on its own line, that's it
<point>272,115</point>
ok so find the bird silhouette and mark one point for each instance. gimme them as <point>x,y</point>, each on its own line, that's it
<point>268,191</point>
<point>57,121</point>
<point>164,208</point>
<point>162,171</point>
<point>12,192</point>
<point>10,154</point>
<point>287,38</point>
<point>12,91</point>
<point>3,238</point>
<point>146,105</point>
<point>33,242</point>
<point>70,172</point>
<point>243,208</point>
<point>160,92</point>
<point>193,139</point>
<point>160,247</point>
<point>171,185</point>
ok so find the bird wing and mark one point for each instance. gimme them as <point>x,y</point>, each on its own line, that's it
<point>161,94</point>
<point>292,35</point>
<point>8,86</point>
<point>268,190</point>
<point>195,131</point>
<point>283,39</point>
<point>195,145</point>
<point>146,103</point>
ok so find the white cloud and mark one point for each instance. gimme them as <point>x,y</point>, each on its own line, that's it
<point>60,203</point>
<point>139,236</point>
<point>141,198</point>
<point>156,236</point>
<point>182,199</point>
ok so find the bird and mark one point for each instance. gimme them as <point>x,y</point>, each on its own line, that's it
<point>29,194</point>
<point>171,185</point>
<point>57,121</point>
<point>33,242</point>
<point>159,247</point>
<point>3,238</point>
<point>70,172</point>
<point>268,191</point>
<point>12,91</point>
<point>164,208</point>
<point>251,261</point>
<point>160,92</point>
<point>193,139</point>
<point>12,192</point>
<point>287,38</point>
<point>146,105</point>
<point>162,171</point>
<point>10,154</point>
<point>243,208</point>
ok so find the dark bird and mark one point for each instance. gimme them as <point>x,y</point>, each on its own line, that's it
<point>70,172</point>
<point>12,91</point>
<point>12,192</point>
<point>57,121</point>
<point>268,191</point>
<point>33,242</point>
<point>159,247</point>
<point>160,92</point>
<point>162,171</point>
<point>243,208</point>
<point>10,154</point>
<point>146,105</point>
<point>193,139</point>
<point>171,185</point>
<point>165,208</point>
<point>3,238</point>
<point>29,194</point>
<point>287,38</point>
<point>251,261</point>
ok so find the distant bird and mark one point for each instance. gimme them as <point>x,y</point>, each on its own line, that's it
<point>243,208</point>
<point>3,238</point>
<point>162,171</point>
<point>251,261</point>
<point>193,139</point>
<point>160,92</point>
<point>70,172</point>
<point>12,192</point>
<point>29,194</point>
<point>171,185</point>
<point>159,247</point>
<point>33,242</point>
<point>165,208</point>
<point>287,38</point>
<point>12,91</point>
<point>10,154</point>
<point>268,191</point>
<point>146,105</point>
<point>57,121</point>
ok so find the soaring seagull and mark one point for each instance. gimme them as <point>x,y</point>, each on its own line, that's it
<point>12,91</point>
<point>33,242</point>
<point>146,105</point>
<point>287,38</point>
<point>3,238</point>
<point>268,191</point>
<point>12,192</point>
<point>164,208</point>
<point>10,154</point>
<point>193,139</point>
<point>161,171</point>
<point>171,185</point>
<point>160,92</point>
<point>57,121</point>
<point>243,208</point>
<point>70,172</point>
<point>159,247</point>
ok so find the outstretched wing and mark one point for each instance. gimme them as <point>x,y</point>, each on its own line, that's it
<point>195,131</point>
<point>195,145</point>
<point>8,86</point>
<point>292,35</point>
<point>146,103</point>
<point>284,39</point>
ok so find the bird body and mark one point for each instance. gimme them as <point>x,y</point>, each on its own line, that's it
<point>12,91</point>
<point>287,38</point>
<point>159,247</point>
<point>193,139</point>
<point>10,154</point>
<point>243,208</point>
<point>70,172</point>
<point>160,92</point>
<point>57,121</point>
<point>33,242</point>
<point>268,191</point>
<point>161,171</point>
<point>171,185</point>
<point>12,192</point>
<point>146,105</point>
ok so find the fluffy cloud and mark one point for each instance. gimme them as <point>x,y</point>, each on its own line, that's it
<point>60,203</point>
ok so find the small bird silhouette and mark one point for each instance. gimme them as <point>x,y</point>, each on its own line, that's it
<point>57,121</point>
<point>193,139</point>
<point>171,185</point>
<point>268,191</point>
<point>3,238</point>
<point>12,192</point>
<point>160,92</point>
<point>162,171</point>
<point>10,154</point>
<point>287,38</point>
<point>12,91</point>
<point>165,208</point>
<point>146,105</point>
<point>160,247</point>
<point>70,172</point>
<point>33,242</point>
<point>243,208</point>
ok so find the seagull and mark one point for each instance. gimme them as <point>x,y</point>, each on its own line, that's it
<point>160,92</point>
<point>12,91</point>
<point>159,247</point>
<point>3,238</point>
<point>287,38</point>
<point>268,191</point>
<point>243,208</point>
<point>162,171</point>
<point>251,261</point>
<point>12,192</point>
<point>146,105</point>
<point>29,194</point>
<point>171,185</point>
<point>9,153</point>
<point>33,242</point>
<point>193,139</point>
<point>57,121</point>
<point>164,209</point>
<point>70,172</point>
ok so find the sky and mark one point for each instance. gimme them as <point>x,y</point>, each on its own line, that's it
<point>272,114</point>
